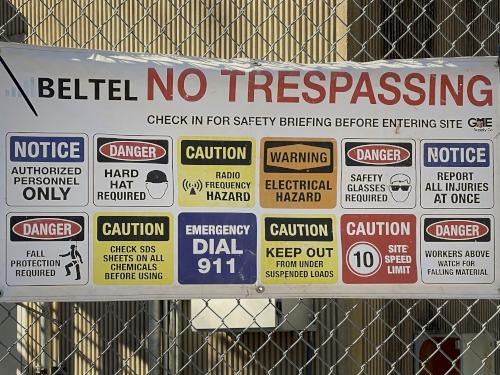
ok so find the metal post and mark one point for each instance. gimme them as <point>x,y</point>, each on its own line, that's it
<point>167,369</point>
<point>44,337</point>
<point>154,341</point>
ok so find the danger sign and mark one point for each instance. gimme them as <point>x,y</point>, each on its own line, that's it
<point>457,249</point>
<point>298,173</point>
<point>47,169</point>
<point>378,174</point>
<point>133,171</point>
<point>216,172</point>
<point>378,249</point>
<point>47,249</point>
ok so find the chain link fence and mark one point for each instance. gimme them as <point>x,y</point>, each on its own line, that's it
<point>307,336</point>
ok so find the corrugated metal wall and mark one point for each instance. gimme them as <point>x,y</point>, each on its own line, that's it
<point>302,30</point>
<point>16,28</point>
<point>351,336</point>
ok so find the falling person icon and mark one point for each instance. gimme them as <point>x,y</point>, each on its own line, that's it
<point>76,260</point>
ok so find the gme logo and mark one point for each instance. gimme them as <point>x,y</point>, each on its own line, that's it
<point>480,123</point>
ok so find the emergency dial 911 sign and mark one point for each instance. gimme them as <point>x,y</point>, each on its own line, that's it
<point>134,176</point>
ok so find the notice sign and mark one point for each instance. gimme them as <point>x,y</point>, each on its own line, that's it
<point>457,249</point>
<point>133,171</point>
<point>378,249</point>
<point>217,248</point>
<point>47,169</point>
<point>133,249</point>
<point>378,174</point>
<point>298,173</point>
<point>47,249</point>
<point>299,250</point>
<point>457,174</point>
<point>216,172</point>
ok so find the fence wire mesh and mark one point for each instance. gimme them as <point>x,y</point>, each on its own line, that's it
<point>307,336</point>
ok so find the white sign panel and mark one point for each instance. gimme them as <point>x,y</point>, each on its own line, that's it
<point>131,176</point>
<point>458,249</point>
<point>378,174</point>
<point>47,249</point>
<point>133,171</point>
<point>457,174</point>
<point>47,169</point>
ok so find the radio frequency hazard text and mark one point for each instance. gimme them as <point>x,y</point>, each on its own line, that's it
<point>216,172</point>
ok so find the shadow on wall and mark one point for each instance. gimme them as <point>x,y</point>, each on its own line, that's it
<point>13,25</point>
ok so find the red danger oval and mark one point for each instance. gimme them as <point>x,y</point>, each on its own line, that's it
<point>132,150</point>
<point>379,154</point>
<point>457,230</point>
<point>49,228</point>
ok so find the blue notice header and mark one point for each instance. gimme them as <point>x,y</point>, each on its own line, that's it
<point>41,149</point>
<point>457,155</point>
<point>217,248</point>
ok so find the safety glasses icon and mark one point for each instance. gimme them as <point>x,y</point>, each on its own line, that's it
<point>402,187</point>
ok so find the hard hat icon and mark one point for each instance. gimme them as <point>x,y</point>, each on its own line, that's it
<point>156,184</point>
<point>156,177</point>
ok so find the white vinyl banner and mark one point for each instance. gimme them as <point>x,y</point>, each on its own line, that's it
<point>135,176</point>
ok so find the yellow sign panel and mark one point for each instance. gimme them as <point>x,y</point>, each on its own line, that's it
<point>298,173</point>
<point>299,249</point>
<point>133,248</point>
<point>216,172</point>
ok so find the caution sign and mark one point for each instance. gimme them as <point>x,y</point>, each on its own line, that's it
<point>457,250</point>
<point>133,171</point>
<point>378,249</point>
<point>133,249</point>
<point>378,174</point>
<point>217,248</point>
<point>47,249</point>
<point>457,174</point>
<point>216,172</point>
<point>47,169</point>
<point>299,250</point>
<point>298,173</point>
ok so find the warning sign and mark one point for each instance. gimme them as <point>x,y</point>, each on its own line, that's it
<point>217,248</point>
<point>216,172</point>
<point>47,169</point>
<point>298,173</point>
<point>457,174</point>
<point>299,250</point>
<point>457,250</point>
<point>47,249</point>
<point>133,171</point>
<point>378,174</point>
<point>378,249</point>
<point>133,249</point>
